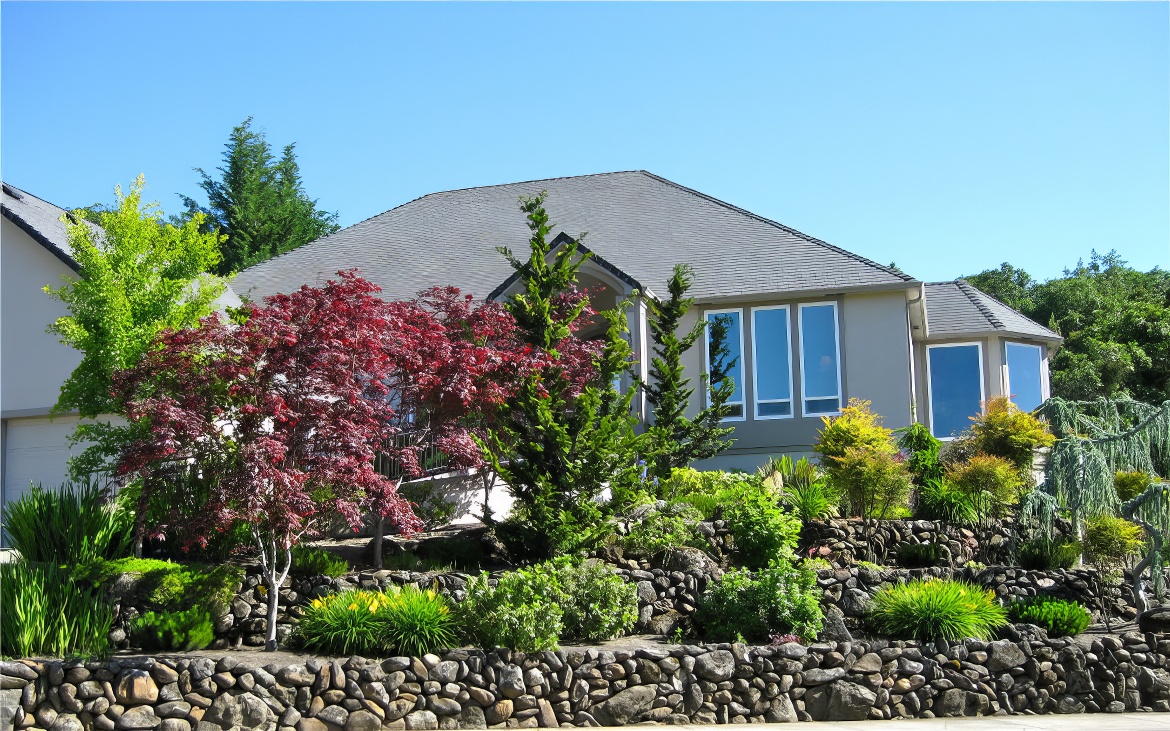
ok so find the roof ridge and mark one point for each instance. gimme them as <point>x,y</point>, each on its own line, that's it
<point>811,239</point>
<point>434,193</point>
<point>966,288</point>
<point>24,192</point>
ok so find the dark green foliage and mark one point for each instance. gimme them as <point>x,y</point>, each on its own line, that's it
<point>531,609</point>
<point>779,599</point>
<point>310,561</point>
<point>675,440</point>
<point>259,202</point>
<point>937,609</point>
<point>73,525</point>
<point>938,499</point>
<point>920,555</point>
<point>1114,320</point>
<point>171,506</point>
<point>1058,617</point>
<point>429,506</point>
<point>922,448</point>
<point>171,587</point>
<point>1042,553</point>
<point>566,435</point>
<point>43,612</point>
<point>180,631</point>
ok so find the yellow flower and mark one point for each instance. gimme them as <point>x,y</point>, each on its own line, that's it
<point>353,606</point>
<point>373,606</point>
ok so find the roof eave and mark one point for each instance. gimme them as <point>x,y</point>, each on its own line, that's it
<point>814,292</point>
<point>40,238</point>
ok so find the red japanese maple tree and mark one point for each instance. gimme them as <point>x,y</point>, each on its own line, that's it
<point>283,414</point>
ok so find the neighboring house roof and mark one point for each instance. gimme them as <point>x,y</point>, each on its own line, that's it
<point>639,223</point>
<point>958,308</point>
<point>41,220</point>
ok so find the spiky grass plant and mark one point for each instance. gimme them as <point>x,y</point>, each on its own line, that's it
<point>43,613</point>
<point>937,610</point>
<point>73,525</point>
<point>1058,617</point>
<point>418,621</point>
<point>409,621</point>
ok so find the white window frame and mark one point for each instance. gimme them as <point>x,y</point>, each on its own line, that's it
<point>930,380</point>
<point>742,366</point>
<point>1008,369</point>
<point>804,412</point>
<point>756,400</point>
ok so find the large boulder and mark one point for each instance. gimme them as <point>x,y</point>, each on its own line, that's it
<point>624,707</point>
<point>715,666</point>
<point>840,701</point>
<point>690,560</point>
<point>1156,620</point>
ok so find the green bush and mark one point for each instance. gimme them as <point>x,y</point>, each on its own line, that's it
<point>310,561</point>
<point>74,525</point>
<point>1045,554</point>
<point>922,451</point>
<point>532,609</point>
<point>408,621</point>
<point>431,507</point>
<point>598,604</point>
<point>937,609</point>
<point>863,462</point>
<point>1058,617</point>
<point>803,488</point>
<point>664,526</point>
<point>992,483</point>
<point>1131,484</point>
<point>780,599</point>
<point>170,587</point>
<point>939,499</point>
<point>761,528</point>
<point>1110,542</point>
<point>181,631</point>
<point>920,555</point>
<point>522,611</point>
<point>44,613</point>
<point>1003,430</point>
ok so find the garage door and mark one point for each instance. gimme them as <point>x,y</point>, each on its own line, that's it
<point>36,450</point>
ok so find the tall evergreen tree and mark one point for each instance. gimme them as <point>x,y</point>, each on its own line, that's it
<point>675,440</point>
<point>258,202</point>
<point>569,433</point>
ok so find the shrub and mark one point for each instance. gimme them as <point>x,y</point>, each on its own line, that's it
<point>992,483</point>
<point>761,528</point>
<point>876,483</point>
<point>804,489</point>
<point>1004,431</point>
<point>919,555</point>
<point>181,631</point>
<point>598,604</point>
<point>856,428</point>
<point>406,620</point>
<point>922,451</point>
<point>171,587</point>
<point>662,526</point>
<point>44,613</point>
<point>701,490</point>
<point>1110,542</point>
<point>73,525</point>
<point>780,599</point>
<point>939,499</point>
<point>1045,554</point>
<point>1131,484</point>
<point>1058,617</point>
<point>310,561</point>
<point>522,611</point>
<point>937,609</point>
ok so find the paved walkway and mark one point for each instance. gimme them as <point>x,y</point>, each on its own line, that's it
<point>1052,722</point>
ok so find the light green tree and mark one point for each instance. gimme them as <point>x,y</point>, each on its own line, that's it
<point>136,277</point>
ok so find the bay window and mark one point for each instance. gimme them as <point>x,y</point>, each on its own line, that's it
<point>1024,364</point>
<point>955,383</point>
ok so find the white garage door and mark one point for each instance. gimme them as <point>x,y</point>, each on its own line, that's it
<point>36,450</point>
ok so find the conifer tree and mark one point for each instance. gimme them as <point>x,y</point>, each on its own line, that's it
<point>569,425</point>
<point>675,440</point>
<point>258,202</point>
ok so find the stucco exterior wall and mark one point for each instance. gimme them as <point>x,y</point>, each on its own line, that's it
<point>33,363</point>
<point>877,339</point>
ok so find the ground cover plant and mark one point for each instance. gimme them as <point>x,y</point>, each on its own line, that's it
<point>780,599</point>
<point>179,631</point>
<point>168,586</point>
<point>937,609</point>
<point>1058,617</point>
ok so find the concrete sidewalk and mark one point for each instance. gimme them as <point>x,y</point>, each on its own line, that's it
<point>1051,722</point>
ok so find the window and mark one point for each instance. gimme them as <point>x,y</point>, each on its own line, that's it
<point>771,362</point>
<point>733,320</point>
<point>955,382</point>
<point>1024,375</point>
<point>820,359</point>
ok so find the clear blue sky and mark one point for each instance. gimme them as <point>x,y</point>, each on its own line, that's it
<point>947,137</point>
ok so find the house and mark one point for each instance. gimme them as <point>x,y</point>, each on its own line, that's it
<point>811,325</point>
<point>34,252</point>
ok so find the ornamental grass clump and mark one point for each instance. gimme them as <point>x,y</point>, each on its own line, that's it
<point>1058,617</point>
<point>409,621</point>
<point>74,524</point>
<point>44,613</point>
<point>937,610</point>
<point>310,561</point>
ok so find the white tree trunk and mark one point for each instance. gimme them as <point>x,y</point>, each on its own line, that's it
<point>274,576</point>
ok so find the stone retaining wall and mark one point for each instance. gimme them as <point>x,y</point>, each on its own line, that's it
<point>850,541</point>
<point>588,687</point>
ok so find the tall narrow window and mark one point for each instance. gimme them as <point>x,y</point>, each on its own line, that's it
<point>732,320</point>
<point>771,362</point>
<point>955,379</point>
<point>1024,376</point>
<point>820,359</point>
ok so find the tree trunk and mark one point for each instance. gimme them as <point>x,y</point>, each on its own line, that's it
<point>379,532</point>
<point>274,577</point>
<point>488,477</point>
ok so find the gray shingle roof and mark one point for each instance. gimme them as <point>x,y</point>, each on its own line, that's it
<point>638,222</point>
<point>39,219</point>
<point>958,308</point>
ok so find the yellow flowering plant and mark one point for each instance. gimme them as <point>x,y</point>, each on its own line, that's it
<point>406,620</point>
